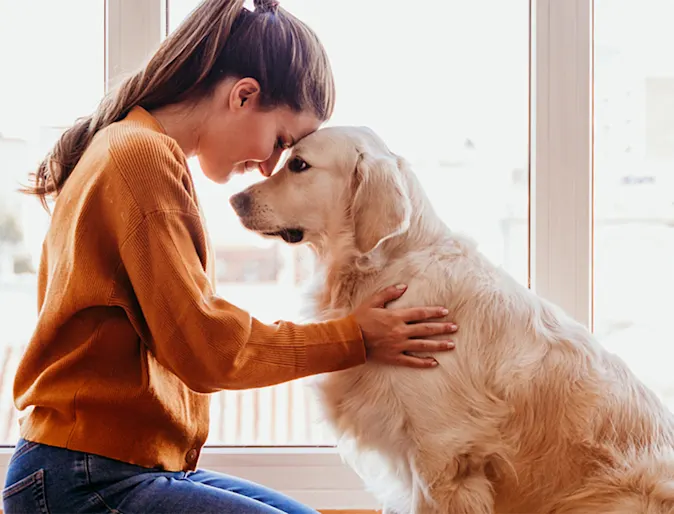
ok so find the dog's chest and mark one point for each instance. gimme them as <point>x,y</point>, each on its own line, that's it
<point>366,405</point>
<point>373,401</point>
<point>377,406</point>
<point>374,422</point>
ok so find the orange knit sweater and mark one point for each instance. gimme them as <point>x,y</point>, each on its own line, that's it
<point>131,336</point>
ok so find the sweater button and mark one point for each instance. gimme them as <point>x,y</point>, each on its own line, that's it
<point>191,456</point>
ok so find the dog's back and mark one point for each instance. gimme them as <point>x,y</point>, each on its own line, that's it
<point>528,413</point>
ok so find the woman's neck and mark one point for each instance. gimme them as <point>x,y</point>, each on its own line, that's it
<point>182,123</point>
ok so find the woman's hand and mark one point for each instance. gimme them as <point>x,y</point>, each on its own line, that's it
<point>389,333</point>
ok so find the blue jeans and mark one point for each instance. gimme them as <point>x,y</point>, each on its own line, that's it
<point>44,479</point>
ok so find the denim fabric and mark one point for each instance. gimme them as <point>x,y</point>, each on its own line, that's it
<point>47,480</point>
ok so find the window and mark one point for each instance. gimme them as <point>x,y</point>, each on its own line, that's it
<point>52,63</point>
<point>456,108</point>
<point>467,90</point>
<point>634,186</point>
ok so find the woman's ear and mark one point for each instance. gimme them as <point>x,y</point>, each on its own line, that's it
<point>245,93</point>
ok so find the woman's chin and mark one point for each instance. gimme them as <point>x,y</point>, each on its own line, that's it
<point>221,177</point>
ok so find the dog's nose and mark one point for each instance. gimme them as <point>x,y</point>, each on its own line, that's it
<point>241,203</point>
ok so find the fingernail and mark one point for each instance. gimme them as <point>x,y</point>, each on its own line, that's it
<point>434,363</point>
<point>444,312</point>
<point>400,287</point>
<point>449,345</point>
<point>453,327</point>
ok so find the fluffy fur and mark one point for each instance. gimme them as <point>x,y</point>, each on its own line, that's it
<point>528,415</point>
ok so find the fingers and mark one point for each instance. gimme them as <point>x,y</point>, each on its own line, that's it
<point>410,361</point>
<point>415,314</point>
<point>422,330</point>
<point>421,345</point>
<point>389,294</point>
<point>420,313</point>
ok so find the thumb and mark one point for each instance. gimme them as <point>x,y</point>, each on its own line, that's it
<point>380,299</point>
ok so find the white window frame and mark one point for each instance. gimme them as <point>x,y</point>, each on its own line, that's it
<point>561,155</point>
<point>133,31</point>
<point>561,216</point>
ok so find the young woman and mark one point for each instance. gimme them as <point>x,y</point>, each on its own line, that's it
<point>131,337</point>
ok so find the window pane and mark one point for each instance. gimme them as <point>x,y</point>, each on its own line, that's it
<point>634,186</point>
<point>447,87</point>
<point>52,62</point>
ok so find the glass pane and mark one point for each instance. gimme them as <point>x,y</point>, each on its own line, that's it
<point>52,61</point>
<point>634,186</point>
<point>457,108</point>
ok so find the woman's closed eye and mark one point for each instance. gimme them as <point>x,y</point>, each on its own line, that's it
<point>298,165</point>
<point>282,144</point>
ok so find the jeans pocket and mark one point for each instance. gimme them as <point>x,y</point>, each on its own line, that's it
<point>26,496</point>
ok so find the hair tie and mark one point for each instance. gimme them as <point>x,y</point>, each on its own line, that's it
<point>264,6</point>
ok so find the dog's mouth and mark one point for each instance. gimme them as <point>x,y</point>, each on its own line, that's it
<point>289,235</point>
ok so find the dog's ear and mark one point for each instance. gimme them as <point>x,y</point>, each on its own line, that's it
<point>381,206</point>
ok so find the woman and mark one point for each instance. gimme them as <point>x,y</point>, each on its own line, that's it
<point>131,337</point>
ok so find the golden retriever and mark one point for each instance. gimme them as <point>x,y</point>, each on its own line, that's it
<point>528,415</point>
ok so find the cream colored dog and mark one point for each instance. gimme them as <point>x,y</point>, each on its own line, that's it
<point>528,415</point>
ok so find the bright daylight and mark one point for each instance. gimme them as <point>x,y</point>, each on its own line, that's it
<point>119,344</point>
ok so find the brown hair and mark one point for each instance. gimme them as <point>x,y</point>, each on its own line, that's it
<point>219,39</point>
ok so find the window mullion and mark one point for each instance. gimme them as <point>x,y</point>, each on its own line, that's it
<point>134,30</point>
<point>562,154</point>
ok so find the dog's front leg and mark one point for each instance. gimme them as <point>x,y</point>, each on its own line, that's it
<point>467,496</point>
<point>457,486</point>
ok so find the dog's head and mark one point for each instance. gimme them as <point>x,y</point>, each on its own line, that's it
<point>337,182</point>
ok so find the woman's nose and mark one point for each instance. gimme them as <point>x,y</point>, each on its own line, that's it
<point>267,167</point>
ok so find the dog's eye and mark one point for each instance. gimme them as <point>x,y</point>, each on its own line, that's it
<point>298,165</point>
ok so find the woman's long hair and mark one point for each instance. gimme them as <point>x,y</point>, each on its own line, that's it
<point>220,39</point>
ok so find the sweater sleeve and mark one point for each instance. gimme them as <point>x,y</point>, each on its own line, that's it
<point>207,342</point>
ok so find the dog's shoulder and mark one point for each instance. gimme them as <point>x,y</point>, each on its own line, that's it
<point>453,273</point>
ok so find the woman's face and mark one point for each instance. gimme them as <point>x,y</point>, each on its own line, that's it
<point>237,135</point>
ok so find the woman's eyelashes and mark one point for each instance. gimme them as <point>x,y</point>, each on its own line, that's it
<point>282,144</point>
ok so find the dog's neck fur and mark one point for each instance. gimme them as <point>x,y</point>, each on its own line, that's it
<point>342,268</point>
